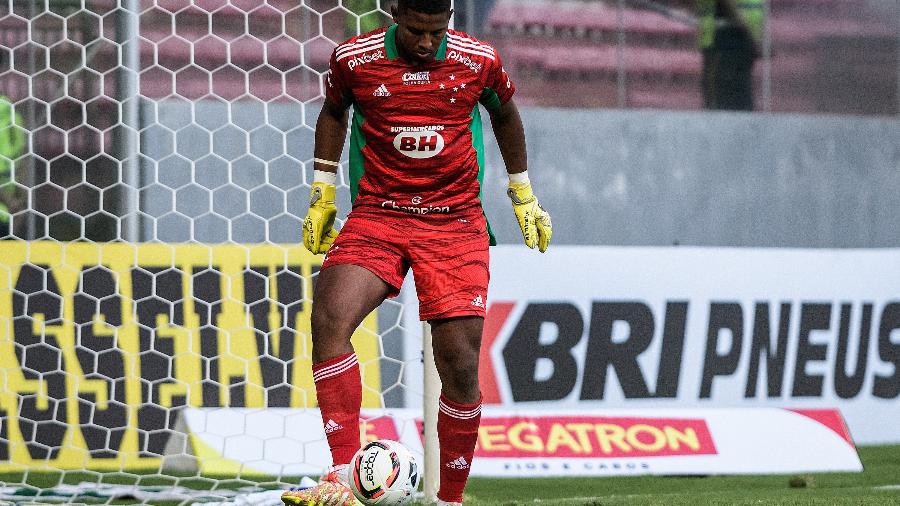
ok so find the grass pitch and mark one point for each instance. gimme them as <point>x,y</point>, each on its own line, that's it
<point>878,484</point>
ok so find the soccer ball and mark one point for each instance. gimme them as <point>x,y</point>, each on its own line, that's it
<point>384,472</point>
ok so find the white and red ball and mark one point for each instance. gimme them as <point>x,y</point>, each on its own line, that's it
<point>384,472</point>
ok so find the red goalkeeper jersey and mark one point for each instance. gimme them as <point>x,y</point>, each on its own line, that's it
<point>416,141</point>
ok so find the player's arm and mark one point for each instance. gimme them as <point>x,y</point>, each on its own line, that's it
<point>331,129</point>
<point>510,133</point>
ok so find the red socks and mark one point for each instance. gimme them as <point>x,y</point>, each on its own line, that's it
<point>339,391</point>
<point>457,428</point>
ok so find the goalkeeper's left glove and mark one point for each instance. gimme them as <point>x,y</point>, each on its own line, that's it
<point>318,227</point>
<point>533,220</point>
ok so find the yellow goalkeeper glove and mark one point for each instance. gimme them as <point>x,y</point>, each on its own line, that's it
<point>533,220</point>
<point>318,227</point>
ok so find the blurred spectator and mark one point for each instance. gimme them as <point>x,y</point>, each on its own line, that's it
<point>370,18</point>
<point>366,11</point>
<point>481,9</point>
<point>12,143</point>
<point>730,37</point>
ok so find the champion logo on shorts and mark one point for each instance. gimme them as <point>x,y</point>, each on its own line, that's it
<point>382,91</point>
<point>478,301</point>
<point>459,463</point>
<point>332,426</point>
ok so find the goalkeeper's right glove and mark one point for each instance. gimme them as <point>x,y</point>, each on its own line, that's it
<point>533,220</point>
<point>318,227</point>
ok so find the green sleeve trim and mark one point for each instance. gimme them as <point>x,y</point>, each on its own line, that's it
<point>441,54</point>
<point>357,143</point>
<point>478,144</point>
<point>490,99</point>
<point>390,43</point>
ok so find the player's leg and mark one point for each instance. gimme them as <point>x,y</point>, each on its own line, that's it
<point>708,78</point>
<point>361,269</point>
<point>343,296</point>
<point>456,343</point>
<point>451,272</point>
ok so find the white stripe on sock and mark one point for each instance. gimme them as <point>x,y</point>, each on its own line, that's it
<point>336,369</point>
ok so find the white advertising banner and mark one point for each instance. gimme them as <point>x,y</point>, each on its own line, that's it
<point>624,327</point>
<point>283,441</point>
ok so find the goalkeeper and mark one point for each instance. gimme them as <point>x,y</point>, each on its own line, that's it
<point>415,180</point>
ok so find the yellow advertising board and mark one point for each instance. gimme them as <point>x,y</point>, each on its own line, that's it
<point>102,344</point>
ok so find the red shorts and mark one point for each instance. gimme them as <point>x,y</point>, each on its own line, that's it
<point>448,255</point>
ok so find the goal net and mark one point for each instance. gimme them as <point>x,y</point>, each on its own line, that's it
<point>154,309</point>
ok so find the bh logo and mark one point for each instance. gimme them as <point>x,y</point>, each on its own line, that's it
<point>420,144</point>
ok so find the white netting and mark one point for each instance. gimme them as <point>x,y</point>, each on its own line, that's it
<point>154,297</point>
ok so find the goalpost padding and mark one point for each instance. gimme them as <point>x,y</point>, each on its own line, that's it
<point>431,394</point>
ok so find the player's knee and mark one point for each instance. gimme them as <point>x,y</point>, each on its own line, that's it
<point>329,326</point>
<point>461,386</point>
<point>457,354</point>
<point>459,370</point>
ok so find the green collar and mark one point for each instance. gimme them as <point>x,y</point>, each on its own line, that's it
<point>390,45</point>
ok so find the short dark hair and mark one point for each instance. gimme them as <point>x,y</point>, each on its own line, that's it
<point>425,6</point>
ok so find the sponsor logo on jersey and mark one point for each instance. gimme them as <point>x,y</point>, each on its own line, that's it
<point>478,301</point>
<point>436,128</point>
<point>508,81</point>
<point>393,204</point>
<point>364,58</point>
<point>417,78</point>
<point>464,59</point>
<point>420,143</point>
<point>331,250</point>
<point>382,91</point>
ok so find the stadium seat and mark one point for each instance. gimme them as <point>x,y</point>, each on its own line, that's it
<point>547,41</point>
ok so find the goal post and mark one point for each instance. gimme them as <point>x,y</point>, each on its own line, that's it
<point>154,297</point>
<point>431,394</point>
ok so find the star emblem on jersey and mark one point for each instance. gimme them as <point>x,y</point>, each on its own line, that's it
<point>455,89</point>
<point>382,91</point>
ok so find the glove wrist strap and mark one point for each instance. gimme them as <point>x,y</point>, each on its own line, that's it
<point>322,176</point>
<point>518,177</point>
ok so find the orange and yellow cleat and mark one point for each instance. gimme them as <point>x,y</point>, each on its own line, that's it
<point>332,490</point>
